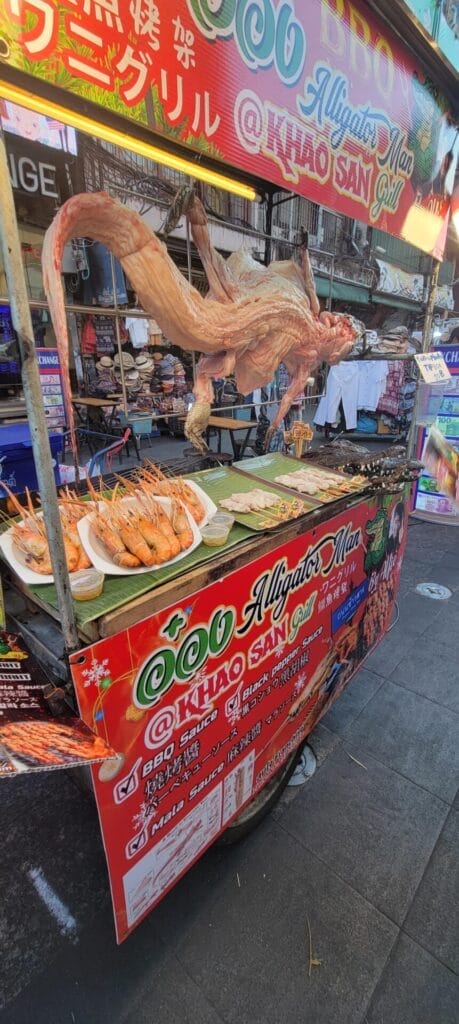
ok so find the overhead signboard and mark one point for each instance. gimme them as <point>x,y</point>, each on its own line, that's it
<point>319,98</point>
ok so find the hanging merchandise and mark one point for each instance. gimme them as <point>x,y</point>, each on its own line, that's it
<point>372,381</point>
<point>356,385</point>
<point>98,286</point>
<point>105,334</point>
<point>138,330</point>
<point>342,386</point>
<point>389,401</point>
<point>88,338</point>
<point>39,321</point>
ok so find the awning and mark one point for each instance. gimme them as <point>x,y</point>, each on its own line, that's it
<point>396,302</point>
<point>342,290</point>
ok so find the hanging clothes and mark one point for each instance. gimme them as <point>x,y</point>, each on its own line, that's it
<point>138,330</point>
<point>389,401</point>
<point>106,335</point>
<point>372,382</point>
<point>342,386</point>
<point>98,286</point>
<point>88,338</point>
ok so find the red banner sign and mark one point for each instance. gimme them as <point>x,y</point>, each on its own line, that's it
<point>205,700</point>
<point>317,97</point>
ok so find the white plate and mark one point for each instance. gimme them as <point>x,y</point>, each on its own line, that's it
<point>17,558</point>
<point>102,561</point>
<point>209,505</point>
<point>17,561</point>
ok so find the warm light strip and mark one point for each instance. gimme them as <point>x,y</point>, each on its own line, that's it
<point>118,138</point>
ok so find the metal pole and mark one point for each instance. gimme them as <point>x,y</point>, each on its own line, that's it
<point>22,323</point>
<point>426,343</point>
<point>330,284</point>
<point>269,229</point>
<point>118,337</point>
<point>190,281</point>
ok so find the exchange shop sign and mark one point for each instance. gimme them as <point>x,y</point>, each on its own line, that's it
<point>205,700</point>
<point>317,97</point>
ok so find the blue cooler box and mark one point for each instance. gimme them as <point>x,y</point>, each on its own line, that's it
<point>17,468</point>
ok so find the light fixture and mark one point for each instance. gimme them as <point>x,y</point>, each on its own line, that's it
<point>82,123</point>
<point>423,228</point>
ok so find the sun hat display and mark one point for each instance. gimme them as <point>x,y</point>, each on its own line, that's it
<point>128,360</point>
<point>105,363</point>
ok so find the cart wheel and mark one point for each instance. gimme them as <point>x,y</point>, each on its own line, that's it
<point>262,804</point>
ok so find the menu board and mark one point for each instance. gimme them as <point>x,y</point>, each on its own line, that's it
<point>429,499</point>
<point>51,386</point>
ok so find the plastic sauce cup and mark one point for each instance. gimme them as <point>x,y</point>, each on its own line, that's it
<point>224,519</point>
<point>215,535</point>
<point>86,584</point>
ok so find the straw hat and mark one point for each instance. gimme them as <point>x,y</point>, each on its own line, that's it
<point>128,360</point>
<point>105,363</point>
<point>143,361</point>
<point>132,376</point>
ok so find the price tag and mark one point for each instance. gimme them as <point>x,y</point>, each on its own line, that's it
<point>432,367</point>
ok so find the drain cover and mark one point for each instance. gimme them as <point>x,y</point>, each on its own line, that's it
<point>433,590</point>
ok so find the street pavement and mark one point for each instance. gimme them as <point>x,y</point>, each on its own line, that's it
<point>356,869</point>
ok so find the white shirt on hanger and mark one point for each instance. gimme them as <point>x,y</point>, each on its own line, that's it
<point>372,382</point>
<point>138,331</point>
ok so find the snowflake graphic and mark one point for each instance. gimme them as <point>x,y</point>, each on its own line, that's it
<point>234,714</point>
<point>280,648</point>
<point>145,812</point>
<point>99,670</point>
<point>300,684</point>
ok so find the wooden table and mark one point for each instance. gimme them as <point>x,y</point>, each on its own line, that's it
<point>233,425</point>
<point>94,407</point>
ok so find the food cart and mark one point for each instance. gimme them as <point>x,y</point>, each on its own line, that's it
<point>205,676</point>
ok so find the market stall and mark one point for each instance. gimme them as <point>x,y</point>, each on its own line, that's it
<point>209,653</point>
<point>207,674</point>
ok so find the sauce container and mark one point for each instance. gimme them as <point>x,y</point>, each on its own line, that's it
<point>86,584</point>
<point>214,535</point>
<point>223,519</point>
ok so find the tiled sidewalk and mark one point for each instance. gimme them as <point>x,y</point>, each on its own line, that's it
<point>364,856</point>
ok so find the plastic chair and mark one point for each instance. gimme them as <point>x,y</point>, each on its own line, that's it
<point>101,462</point>
<point>141,425</point>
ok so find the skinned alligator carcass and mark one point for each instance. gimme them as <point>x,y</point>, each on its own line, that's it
<point>253,318</point>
